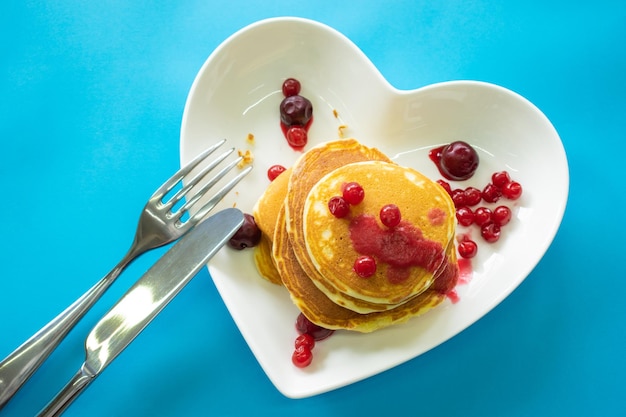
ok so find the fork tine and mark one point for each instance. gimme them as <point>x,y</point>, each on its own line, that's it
<point>198,195</point>
<point>204,210</point>
<point>196,179</point>
<point>171,183</point>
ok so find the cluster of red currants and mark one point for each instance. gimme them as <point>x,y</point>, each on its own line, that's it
<point>490,221</point>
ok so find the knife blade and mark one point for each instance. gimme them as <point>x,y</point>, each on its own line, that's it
<point>145,300</point>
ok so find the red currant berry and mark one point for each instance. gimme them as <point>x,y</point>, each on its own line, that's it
<point>482,216</point>
<point>500,179</point>
<point>390,215</point>
<point>274,171</point>
<point>472,196</point>
<point>291,87</point>
<point>512,190</point>
<point>465,216</point>
<point>365,266</point>
<point>458,197</point>
<point>467,248</point>
<point>338,207</point>
<point>501,215</point>
<point>304,325</point>
<point>491,193</point>
<point>445,185</point>
<point>302,357</point>
<point>305,340</point>
<point>353,193</point>
<point>490,232</point>
<point>297,136</point>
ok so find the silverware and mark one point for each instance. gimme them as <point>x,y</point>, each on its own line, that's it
<point>143,302</point>
<point>160,223</point>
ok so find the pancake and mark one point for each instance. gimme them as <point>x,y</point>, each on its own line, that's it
<point>410,254</point>
<point>265,213</point>
<point>266,209</point>
<point>321,310</point>
<point>293,226</point>
<point>264,261</point>
<point>306,172</point>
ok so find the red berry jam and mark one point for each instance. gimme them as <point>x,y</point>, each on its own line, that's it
<point>400,247</point>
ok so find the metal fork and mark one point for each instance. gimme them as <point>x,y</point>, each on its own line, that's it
<point>160,223</point>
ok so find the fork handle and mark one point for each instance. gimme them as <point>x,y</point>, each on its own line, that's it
<point>16,368</point>
<point>68,394</point>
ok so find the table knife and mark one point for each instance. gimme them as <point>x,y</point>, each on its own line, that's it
<point>145,299</point>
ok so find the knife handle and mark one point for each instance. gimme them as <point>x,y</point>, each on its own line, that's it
<point>68,394</point>
<point>16,368</point>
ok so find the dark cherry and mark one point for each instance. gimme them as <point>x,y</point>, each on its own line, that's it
<point>295,110</point>
<point>306,326</point>
<point>458,161</point>
<point>248,235</point>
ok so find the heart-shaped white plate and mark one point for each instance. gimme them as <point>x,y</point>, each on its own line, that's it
<point>237,92</point>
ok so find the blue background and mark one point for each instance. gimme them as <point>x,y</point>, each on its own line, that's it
<point>91,100</point>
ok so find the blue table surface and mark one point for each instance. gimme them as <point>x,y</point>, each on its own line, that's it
<point>91,100</point>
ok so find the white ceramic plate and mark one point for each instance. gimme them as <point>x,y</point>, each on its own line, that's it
<point>237,92</point>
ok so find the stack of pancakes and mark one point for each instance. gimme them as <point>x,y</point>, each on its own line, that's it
<point>312,253</point>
